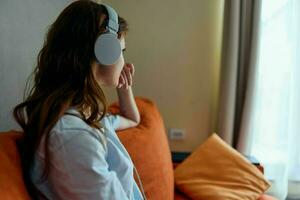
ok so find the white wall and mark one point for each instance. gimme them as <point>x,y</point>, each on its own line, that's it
<point>176,47</point>
<point>23,25</point>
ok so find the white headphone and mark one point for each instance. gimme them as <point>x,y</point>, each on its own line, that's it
<point>107,46</point>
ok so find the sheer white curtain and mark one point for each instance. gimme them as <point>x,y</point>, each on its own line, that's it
<point>275,124</point>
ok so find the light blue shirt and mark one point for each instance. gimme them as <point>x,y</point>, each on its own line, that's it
<point>85,164</point>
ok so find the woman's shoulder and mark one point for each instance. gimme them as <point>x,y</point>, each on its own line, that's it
<point>71,128</point>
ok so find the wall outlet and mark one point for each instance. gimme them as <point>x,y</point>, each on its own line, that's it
<point>176,134</point>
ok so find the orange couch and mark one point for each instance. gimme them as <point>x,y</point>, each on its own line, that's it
<point>147,145</point>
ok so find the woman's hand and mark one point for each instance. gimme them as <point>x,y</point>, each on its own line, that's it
<point>126,76</point>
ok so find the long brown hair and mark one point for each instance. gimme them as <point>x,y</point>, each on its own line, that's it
<point>62,78</point>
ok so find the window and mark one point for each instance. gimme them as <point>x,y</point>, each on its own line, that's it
<point>276,125</point>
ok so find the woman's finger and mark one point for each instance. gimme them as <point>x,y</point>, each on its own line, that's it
<point>125,79</point>
<point>128,74</point>
<point>131,67</point>
<point>121,81</point>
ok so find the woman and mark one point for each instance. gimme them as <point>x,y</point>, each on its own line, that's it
<point>70,149</point>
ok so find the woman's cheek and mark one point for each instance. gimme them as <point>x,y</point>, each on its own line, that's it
<point>122,63</point>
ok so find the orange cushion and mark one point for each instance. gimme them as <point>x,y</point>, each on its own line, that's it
<point>12,186</point>
<point>215,171</point>
<point>148,147</point>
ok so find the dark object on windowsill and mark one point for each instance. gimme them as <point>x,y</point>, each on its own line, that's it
<point>178,157</point>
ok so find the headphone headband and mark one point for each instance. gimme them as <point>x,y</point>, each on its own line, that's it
<point>113,24</point>
<point>107,46</point>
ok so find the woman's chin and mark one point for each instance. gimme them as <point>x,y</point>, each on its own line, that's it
<point>111,84</point>
<point>115,84</point>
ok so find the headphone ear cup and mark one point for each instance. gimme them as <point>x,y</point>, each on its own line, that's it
<point>107,49</point>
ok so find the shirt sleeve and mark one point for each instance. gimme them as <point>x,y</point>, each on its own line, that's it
<point>81,171</point>
<point>114,120</point>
